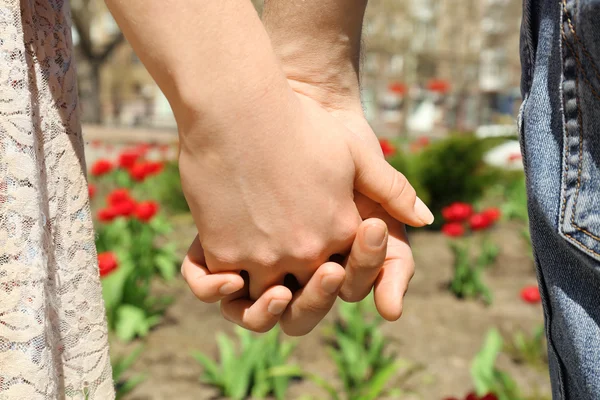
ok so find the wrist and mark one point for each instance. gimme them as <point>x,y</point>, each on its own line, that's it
<point>318,45</point>
<point>245,119</point>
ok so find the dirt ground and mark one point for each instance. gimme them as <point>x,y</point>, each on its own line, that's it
<point>437,330</point>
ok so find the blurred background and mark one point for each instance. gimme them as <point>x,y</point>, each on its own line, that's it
<point>440,87</point>
<point>428,67</point>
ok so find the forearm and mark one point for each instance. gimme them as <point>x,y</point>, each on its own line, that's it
<point>318,43</point>
<point>211,58</point>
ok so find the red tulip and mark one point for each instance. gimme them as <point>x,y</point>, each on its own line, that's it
<point>125,208</point>
<point>107,263</point>
<point>118,196</point>
<point>387,147</point>
<point>457,212</point>
<point>453,229</point>
<point>145,210</point>
<point>153,167</point>
<point>138,172</point>
<point>472,396</point>
<point>531,294</point>
<point>101,167</point>
<point>91,190</point>
<point>492,213</point>
<point>479,222</point>
<point>127,158</point>
<point>107,214</point>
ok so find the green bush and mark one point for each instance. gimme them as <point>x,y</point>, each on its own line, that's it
<point>449,170</point>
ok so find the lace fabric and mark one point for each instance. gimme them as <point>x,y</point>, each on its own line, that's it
<point>53,335</point>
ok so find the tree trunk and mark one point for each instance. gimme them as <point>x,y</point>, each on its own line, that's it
<point>95,114</point>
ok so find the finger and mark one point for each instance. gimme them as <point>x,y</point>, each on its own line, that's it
<point>261,279</point>
<point>378,180</point>
<point>260,315</point>
<point>365,260</point>
<point>311,303</point>
<point>395,275</point>
<point>208,287</point>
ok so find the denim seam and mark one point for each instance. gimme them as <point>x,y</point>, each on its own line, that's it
<point>575,54</point>
<point>582,70</point>
<point>580,42</point>
<point>528,45</point>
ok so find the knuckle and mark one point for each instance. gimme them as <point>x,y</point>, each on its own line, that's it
<point>227,256</point>
<point>400,188</point>
<point>308,250</point>
<point>347,228</point>
<point>316,306</point>
<point>396,186</point>
<point>366,261</point>
<point>265,256</point>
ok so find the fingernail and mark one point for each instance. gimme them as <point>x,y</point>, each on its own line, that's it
<point>331,283</point>
<point>375,235</point>
<point>227,288</point>
<point>423,212</point>
<point>277,306</point>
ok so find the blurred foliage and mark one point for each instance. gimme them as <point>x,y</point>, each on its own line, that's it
<point>132,308</point>
<point>359,350</point>
<point>166,189</point>
<point>120,365</point>
<point>246,368</point>
<point>449,170</point>
<point>529,349</point>
<point>514,191</point>
<point>487,378</point>
<point>467,281</point>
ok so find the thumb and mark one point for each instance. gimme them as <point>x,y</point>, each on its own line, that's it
<point>378,180</point>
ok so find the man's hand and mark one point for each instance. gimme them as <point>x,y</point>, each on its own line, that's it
<point>318,45</point>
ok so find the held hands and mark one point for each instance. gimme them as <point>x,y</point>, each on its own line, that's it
<point>274,213</point>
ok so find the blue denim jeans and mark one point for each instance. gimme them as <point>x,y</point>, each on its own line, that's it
<point>560,136</point>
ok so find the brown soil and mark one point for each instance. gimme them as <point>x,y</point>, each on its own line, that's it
<point>437,330</point>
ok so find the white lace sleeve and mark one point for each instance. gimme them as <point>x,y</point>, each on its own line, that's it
<point>53,336</point>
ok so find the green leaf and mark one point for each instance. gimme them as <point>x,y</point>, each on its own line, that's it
<point>482,367</point>
<point>166,266</point>
<point>262,385</point>
<point>229,366</point>
<point>113,284</point>
<point>125,387</point>
<point>212,373</point>
<point>131,321</point>
<point>378,382</point>
<point>121,364</point>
